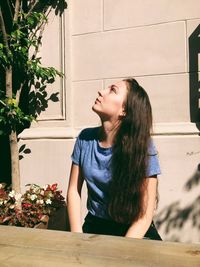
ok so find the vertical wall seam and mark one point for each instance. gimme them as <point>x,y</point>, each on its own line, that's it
<point>102,18</point>
<point>69,91</point>
<point>186,44</point>
<point>62,49</point>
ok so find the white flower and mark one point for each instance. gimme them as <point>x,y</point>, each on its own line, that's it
<point>12,206</point>
<point>5,201</point>
<point>40,201</point>
<point>12,193</point>
<point>34,188</point>
<point>48,201</point>
<point>42,193</point>
<point>45,187</point>
<point>18,196</point>
<point>1,186</point>
<point>33,197</point>
<point>1,202</point>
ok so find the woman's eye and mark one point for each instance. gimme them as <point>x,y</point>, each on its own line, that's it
<point>112,89</point>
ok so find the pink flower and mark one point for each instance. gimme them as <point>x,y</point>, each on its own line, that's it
<point>26,205</point>
<point>30,208</point>
<point>54,187</point>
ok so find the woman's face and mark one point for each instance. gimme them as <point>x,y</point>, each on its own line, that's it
<point>109,104</point>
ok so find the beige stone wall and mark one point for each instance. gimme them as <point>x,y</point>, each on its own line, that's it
<point>106,40</point>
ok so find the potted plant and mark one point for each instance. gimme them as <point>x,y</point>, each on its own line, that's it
<point>31,209</point>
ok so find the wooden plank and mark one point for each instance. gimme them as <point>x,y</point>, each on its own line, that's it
<point>35,247</point>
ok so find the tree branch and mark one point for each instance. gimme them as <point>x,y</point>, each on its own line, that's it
<point>3,29</point>
<point>14,161</point>
<point>19,93</point>
<point>42,26</point>
<point>2,103</point>
<point>33,6</point>
<point>48,11</point>
<point>10,8</point>
<point>9,69</point>
<point>9,82</point>
<point>13,6</point>
<point>17,9</point>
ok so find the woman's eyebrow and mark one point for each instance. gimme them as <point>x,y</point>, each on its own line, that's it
<point>114,86</point>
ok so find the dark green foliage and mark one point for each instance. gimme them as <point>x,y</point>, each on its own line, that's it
<point>23,80</point>
<point>29,77</point>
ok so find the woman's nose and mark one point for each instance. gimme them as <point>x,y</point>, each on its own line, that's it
<point>100,93</point>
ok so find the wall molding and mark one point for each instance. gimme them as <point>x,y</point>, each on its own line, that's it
<point>48,133</point>
<point>165,129</point>
<point>178,128</point>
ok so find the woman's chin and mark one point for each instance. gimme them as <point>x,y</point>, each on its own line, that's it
<point>95,108</point>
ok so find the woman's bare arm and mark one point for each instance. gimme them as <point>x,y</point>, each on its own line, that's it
<point>74,198</point>
<point>140,227</point>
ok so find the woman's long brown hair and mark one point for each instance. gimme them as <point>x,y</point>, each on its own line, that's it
<point>129,160</point>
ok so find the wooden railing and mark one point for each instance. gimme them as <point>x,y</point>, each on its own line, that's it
<point>34,247</point>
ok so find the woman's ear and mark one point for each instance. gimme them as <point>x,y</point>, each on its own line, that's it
<point>122,115</point>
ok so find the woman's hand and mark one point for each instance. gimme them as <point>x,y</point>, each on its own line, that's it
<point>139,228</point>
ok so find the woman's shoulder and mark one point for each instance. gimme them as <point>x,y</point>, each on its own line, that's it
<point>89,133</point>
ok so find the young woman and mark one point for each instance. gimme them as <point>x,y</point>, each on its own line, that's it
<point>119,163</point>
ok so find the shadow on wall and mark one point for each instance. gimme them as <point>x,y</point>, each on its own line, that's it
<point>58,5</point>
<point>23,150</point>
<point>175,217</point>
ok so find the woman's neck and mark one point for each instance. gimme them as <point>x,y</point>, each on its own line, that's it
<point>107,133</point>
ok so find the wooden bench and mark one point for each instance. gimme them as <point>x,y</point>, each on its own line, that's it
<point>35,247</point>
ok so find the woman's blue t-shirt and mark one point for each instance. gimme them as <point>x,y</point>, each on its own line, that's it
<point>94,162</point>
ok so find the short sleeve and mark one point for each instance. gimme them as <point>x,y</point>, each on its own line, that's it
<point>75,157</point>
<point>153,167</point>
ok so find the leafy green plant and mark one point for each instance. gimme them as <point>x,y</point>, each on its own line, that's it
<point>21,28</point>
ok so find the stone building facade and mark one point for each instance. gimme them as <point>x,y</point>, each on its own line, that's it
<point>96,42</point>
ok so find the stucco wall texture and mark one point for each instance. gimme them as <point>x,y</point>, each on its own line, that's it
<point>102,41</point>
